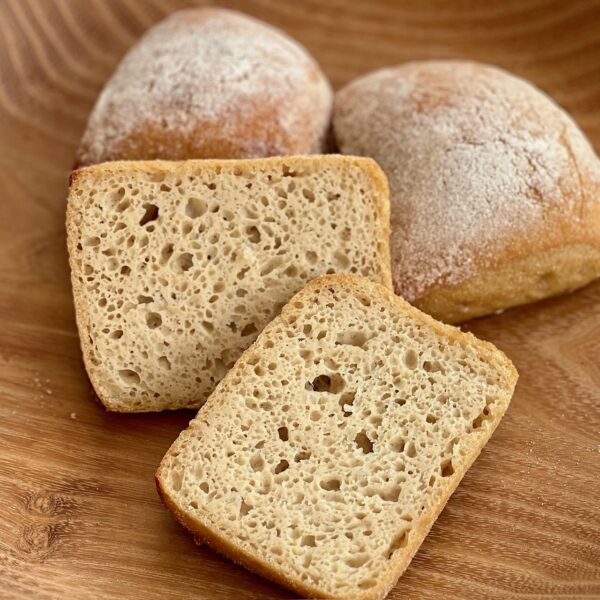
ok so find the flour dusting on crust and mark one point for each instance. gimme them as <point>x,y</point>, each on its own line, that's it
<point>475,158</point>
<point>206,78</point>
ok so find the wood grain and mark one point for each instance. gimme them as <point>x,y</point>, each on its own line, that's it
<point>79,516</point>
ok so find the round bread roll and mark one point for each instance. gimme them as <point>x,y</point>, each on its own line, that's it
<point>210,83</point>
<point>495,191</point>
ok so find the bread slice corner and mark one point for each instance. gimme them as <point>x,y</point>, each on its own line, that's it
<point>325,455</point>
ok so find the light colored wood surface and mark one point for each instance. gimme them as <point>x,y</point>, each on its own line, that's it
<point>79,516</point>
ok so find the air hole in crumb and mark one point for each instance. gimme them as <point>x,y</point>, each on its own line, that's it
<point>330,485</point>
<point>341,260</point>
<point>478,421</point>
<point>177,480</point>
<point>195,208</point>
<point>249,329</point>
<point>308,195</point>
<point>431,419</point>
<point>347,403</point>
<point>150,214</point>
<point>153,320</point>
<point>253,234</point>
<point>244,509</point>
<point>355,562</point>
<point>351,338</point>
<point>271,265</point>
<point>304,455</point>
<point>325,383</point>
<point>164,362</point>
<point>433,366</point>
<point>282,466</point>
<point>308,540</point>
<point>367,584</point>
<point>117,334</point>
<point>315,415</point>
<point>399,541</point>
<point>311,257</point>
<point>363,442</point>
<point>166,253</point>
<point>411,359</point>
<point>129,377</point>
<point>410,450</point>
<point>389,494</point>
<point>398,444</point>
<point>125,270</point>
<point>185,261</point>
<point>91,241</point>
<point>145,299</point>
<point>283,434</point>
<point>204,487</point>
<point>446,468</point>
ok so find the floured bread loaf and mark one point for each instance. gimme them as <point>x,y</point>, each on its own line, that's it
<point>495,192</point>
<point>210,83</point>
<point>177,266</point>
<point>328,451</point>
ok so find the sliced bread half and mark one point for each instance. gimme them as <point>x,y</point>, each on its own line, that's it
<point>177,266</point>
<point>325,455</point>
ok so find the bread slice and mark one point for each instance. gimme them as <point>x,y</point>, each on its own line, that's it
<point>325,455</point>
<point>177,266</point>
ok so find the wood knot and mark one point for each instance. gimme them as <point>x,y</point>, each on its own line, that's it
<point>39,541</point>
<point>48,504</point>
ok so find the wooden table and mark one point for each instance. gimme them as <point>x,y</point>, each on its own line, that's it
<point>79,516</point>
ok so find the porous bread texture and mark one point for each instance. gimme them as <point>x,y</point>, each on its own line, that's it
<point>210,83</point>
<point>324,456</point>
<point>489,181</point>
<point>176,267</point>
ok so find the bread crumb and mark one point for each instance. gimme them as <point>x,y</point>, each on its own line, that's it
<point>73,416</point>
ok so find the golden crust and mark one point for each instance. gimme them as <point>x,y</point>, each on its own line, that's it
<point>516,282</point>
<point>209,533</point>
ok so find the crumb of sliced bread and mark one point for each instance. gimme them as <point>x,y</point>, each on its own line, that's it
<point>325,455</point>
<point>177,266</point>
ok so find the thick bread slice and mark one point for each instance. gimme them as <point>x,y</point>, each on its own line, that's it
<point>325,455</point>
<point>177,266</point>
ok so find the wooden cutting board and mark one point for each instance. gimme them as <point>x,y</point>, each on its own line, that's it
<point>79,516</point>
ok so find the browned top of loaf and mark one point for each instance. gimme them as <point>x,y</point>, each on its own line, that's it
<point>210,83</point>
<point>483,168</point>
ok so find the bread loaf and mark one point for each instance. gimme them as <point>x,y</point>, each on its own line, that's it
<point>495,192</point>
<point>177,266</point>
<point>210,83</point>
<point>325,455</point>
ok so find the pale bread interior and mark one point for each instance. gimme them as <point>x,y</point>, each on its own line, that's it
<point>329,449</point>
<point>177,266</point>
